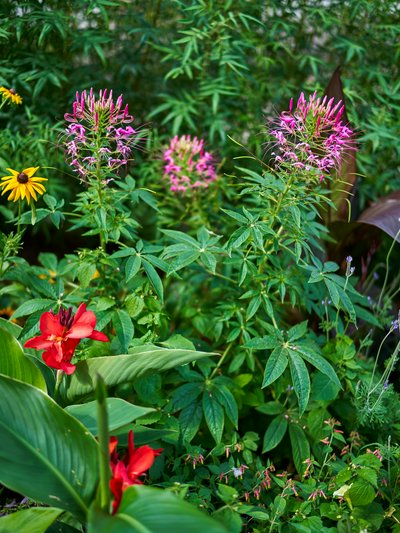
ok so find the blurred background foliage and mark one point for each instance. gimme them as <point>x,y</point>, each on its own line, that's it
<point>211,68</point>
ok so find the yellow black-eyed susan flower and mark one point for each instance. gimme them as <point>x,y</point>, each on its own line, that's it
<point>10,95</point>
<point>23,184</point>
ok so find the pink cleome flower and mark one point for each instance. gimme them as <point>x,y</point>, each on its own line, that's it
<point>312,136</point>
<point>188,165</point>
<point>98,134</point>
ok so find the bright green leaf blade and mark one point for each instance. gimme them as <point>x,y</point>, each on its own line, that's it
<point>319,362</point>
<point>45,454</point>
<point>9,326</point>
<point>275,367</point>
<point>275,433</point>
<point>300,447</point>
<point>123,328</point>
<point>301,379</point>
<point>214,415</point>
<point>154,279</point>
<point>172,514</point>
<point>119,411</point>
<point>123,368</point>
<point>15,364</point>
<point>33,520</point>
<point>361,492</point>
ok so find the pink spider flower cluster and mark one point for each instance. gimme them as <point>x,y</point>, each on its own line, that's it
<point>187,165</point>
<point>312,136</point>
<point>98,136</point>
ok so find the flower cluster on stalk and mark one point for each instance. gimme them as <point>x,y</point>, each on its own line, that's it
<point>99,136</point>
<point>312,136</point>
<point>127,471</point>
<point>187,165</point>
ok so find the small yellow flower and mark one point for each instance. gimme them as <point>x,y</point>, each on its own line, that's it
<point>23,184</point>
<point>10,94</point>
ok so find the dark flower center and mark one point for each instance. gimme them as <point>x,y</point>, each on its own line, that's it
<point>66,318</point>
<point>22,178</point>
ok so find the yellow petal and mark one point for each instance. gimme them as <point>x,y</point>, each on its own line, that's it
<point>30,171</point>
<point>13,172</point>
<point>9,186</point>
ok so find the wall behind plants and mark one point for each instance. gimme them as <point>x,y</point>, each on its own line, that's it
<point>212,68</point>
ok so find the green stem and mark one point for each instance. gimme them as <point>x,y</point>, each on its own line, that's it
<point>222,358</point>
<point>59,378</point>
<point>19,217</point>
<point>387,268</point>
<point>103,438</point>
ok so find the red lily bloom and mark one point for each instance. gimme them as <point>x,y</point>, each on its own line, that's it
<point>61,333</point>
<point>126,472</point>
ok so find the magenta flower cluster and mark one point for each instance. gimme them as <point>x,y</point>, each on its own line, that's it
<point>99,135</point>
<point>188,165</point>
<point>312,136</point>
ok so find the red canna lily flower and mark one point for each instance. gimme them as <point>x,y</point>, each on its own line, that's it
<point>126,472</point>
<point>61,333</point>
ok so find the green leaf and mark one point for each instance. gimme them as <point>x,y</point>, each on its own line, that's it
<point>361,493</point>
<point>323,388</point>
<point>190,419</point>
<point>275,433</point>
<point>275,367</point>
<point>42,442</point>
<point>318,361</point>
<point>227,400</point>
<point>33,520</point>
<point>36,304</point>
<point>301,379</point>
<point>123,328</point>
<point>15,364</point>
<point>154,279</point>
<point>132,267</point>
<point>297,331</point>
<point>137,514</point>
<point>300,447</point>
<point>119,412</point>
<point>124,368</point>
<point>9,326</point>
<point>214,415</point>
<point>270,408</point>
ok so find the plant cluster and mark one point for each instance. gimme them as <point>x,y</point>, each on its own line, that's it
<point>197,349</point>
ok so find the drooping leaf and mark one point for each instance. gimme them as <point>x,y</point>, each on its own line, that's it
<point>214,415</point>
<point>317,360</point>
<point>119,412</point>
<point>15,364</point>
<point>301,379</point>
<point>300,447</point>
<point>384,214</point>
<point>41,442</point>
<point>275,433</point>
<point>124,368</point>
<point>33,520</point>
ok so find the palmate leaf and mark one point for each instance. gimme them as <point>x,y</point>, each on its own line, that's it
<point>150,510</point>
<point>45,453</point>
<point>33,520</point>
<point>318,361</point>
<point>124,368</point>
<point>276,365</point>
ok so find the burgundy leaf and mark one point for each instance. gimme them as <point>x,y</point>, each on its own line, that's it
<point>385,214</point>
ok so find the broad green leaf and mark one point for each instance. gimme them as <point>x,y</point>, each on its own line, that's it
<point>227,400</point>
<point>300,378</point>
<point>183,260</point>
<point>33,520</point>
<point>15,364</point>
<point>318,361</point>
<point>132,267</point>
<point>124,368</point>
<point>300,447</point>
<point>297,331</point>
<point>119,412</point>
<point>46,454</point>
<point>275,433</point>
<point>361,493</point>
<point>275,367</point>
<point>323,388</point>
<point>172,513</point>
<point>270,408</point>
<point>214,415</point>
<point>9,326</point>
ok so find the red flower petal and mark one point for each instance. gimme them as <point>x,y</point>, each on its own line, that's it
<point>98,336</point>
<point>82,327</point>
<point>50,325</point>
<point>52,359</point>
<point>140,461</point>
<point>39,343</point>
